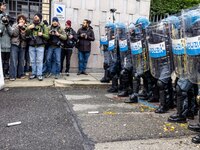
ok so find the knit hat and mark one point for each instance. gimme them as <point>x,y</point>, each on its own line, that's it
<point>69,23</point>
<point>39,15</point>
<point>55,19</point>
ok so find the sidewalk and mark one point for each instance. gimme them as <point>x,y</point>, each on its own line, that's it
<point>92,79</point>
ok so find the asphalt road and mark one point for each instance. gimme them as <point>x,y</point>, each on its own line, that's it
<point>83,119</point>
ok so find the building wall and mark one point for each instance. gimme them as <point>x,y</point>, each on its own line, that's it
<point>99,11</point>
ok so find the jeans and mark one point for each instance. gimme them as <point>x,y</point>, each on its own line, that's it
<point>5,62</point>
<point>36,59</point>
<point>17,55</point>
<point>82,60</point>
<point>66,53</point>
<point>57,52</point>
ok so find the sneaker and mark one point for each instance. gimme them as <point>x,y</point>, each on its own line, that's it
<point>57,76</point>
<point>48,75</point>
<point>32,77</point>
<point>79,73</point>
<point>40,78</point>
<point>22,77</point>
<point>6,76</point>
<point>12,79</point>
<point>67,74</point>
<point>85,73</point>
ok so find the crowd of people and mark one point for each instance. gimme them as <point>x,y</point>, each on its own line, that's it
<point>41,47</point>
<point>150,53</point>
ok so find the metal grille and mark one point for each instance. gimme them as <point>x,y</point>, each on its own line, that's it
<point>29,8</point>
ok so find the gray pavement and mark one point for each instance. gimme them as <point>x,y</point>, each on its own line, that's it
<point>47,121</point>
<point>83,116</point>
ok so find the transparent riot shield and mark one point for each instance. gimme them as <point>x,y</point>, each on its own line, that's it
<point>192,33</point>
<point>138,46</point>
<point>122,40</point>
<point>159,48</point>
<point>178,45</point>
<point>112,45</point>
<point>104,30</point>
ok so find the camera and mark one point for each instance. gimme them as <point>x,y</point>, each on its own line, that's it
<point>61,44</point>
<point>113,10</point>
<point>31,37</point>
<point>5,19</point>
<point>23,28</point>
<point>53,31</point>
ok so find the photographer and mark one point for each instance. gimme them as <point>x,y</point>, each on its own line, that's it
<point>5,34</point>
<point>18,48</point>
<point>85,36</point>
<point>37,33</point>
<point>69,44</point>
<point>56,35</point>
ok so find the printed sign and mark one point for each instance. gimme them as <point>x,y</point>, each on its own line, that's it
<point>59,11</point>
<point>178,46</point>
<point>193,46</point>
<point>111,45</point>
<point>123,45</point>
<point>136,48</point>
<point>104,40</point>
<point>157,50</point>
<point>1,73</point>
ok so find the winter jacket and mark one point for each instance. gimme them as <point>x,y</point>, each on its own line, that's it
<point>5,34</point>
<point>70,43</point>
<point>84,43</point>
<point>34,39</point>
<point>18,38</point>
<point>55,40</point>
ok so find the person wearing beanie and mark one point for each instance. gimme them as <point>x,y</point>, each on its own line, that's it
<point>57,35</point>
<point>38,33</point>
<point>68,46</point>
<point>85,35</point>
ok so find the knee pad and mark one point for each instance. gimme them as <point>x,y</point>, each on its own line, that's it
<point>161,85</point>
<point>105,66</point>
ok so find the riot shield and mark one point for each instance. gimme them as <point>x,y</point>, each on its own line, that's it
<point>138,46</point>
<point>122,40</point>
<point>105,29</point>
<point>159,48</point>
<point>178,45</point>
<point>192,33</point>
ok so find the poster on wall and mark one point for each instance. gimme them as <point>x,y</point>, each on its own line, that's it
<point>1,73</point>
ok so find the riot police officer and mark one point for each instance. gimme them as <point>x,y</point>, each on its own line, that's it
<point>192,32</point>
<point>108,29</point>
<point>160,60</point>
<point>125,57</point>
<point>115,66</point>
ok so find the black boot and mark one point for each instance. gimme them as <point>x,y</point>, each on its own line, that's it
<point>134,96</point>
<point>114,87</point>
<point>164,97</point>
<point>106,78</point>
<point>196,139</point>
<point>182,107</point>
<point>195,127</point>
<point>124,84</point>
<point>143,93</point>
<point>153,91</point>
